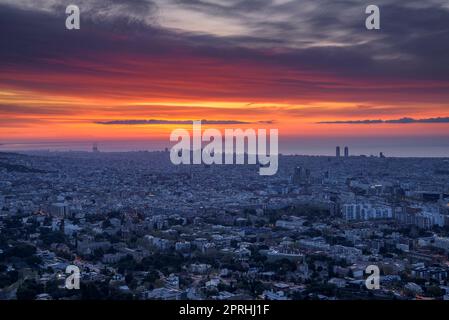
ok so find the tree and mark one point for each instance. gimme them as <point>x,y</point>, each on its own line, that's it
<point>152,276</point>
<point>33,261</point>
<point>129,278</point>
<point>435,291</point>
<point>94,291</point>
<point>53,237</point>
<point>9,278</point>
<point>28,290</point>
<point>21,250</point>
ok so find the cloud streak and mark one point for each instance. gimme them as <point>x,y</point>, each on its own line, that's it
<point>399,121</point>
<point>180,122</point>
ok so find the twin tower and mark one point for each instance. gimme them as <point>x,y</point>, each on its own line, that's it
<point>338,152</point>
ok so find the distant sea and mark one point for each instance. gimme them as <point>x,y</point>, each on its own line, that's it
<point>393,147</point>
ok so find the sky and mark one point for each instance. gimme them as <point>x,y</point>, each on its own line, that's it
<point>137,69</point>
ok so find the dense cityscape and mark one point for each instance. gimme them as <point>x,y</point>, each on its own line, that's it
<point>139,227</point>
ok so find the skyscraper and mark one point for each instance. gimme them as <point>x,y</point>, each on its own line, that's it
<point>337,152</point>
<point>301,176</point>
<point>297,176</point>
<point>346,152</point>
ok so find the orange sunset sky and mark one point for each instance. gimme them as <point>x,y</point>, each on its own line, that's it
<point>278,64</point>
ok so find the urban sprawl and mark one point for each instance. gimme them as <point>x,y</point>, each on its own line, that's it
<point>139,227</point>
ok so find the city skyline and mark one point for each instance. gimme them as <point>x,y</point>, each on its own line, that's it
<point>429,147</point>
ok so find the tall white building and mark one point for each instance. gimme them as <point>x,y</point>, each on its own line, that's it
<point>366,211</point>
<point>59,210</point>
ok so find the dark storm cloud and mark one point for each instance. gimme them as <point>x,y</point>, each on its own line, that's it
<point>327,34</point>
<point>28,36</point>
<point>324,35</point>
